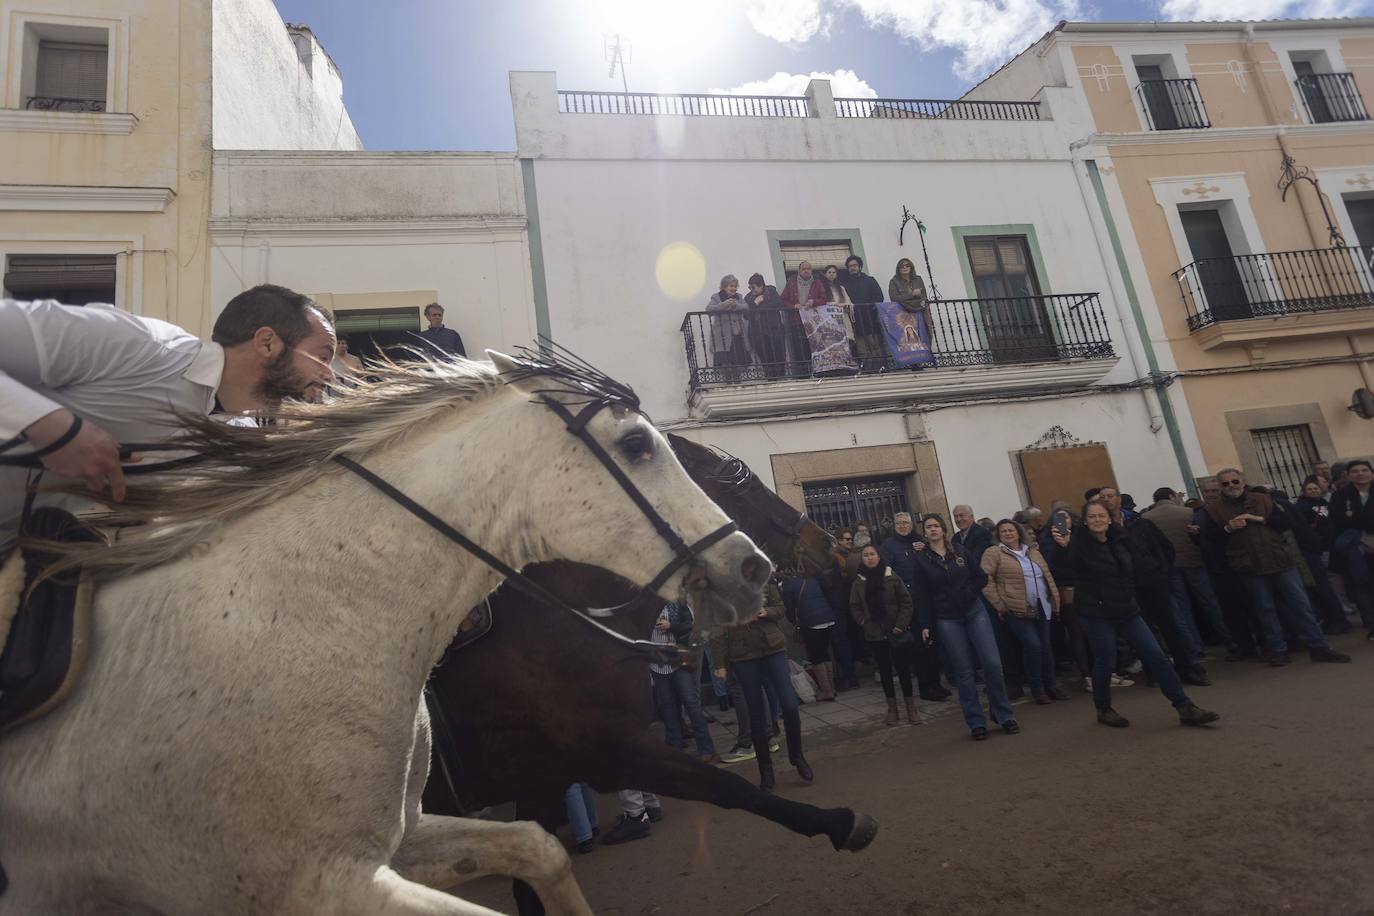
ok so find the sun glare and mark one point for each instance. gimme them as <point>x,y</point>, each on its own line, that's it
<point>669,41</point>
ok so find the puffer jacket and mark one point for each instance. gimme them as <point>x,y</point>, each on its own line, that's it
<point>895,597</point>
<point>1104,574</point>
<point>1006,588</point>
<point>753,638</point>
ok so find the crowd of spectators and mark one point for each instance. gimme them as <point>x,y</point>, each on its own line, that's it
<point>760,327</point>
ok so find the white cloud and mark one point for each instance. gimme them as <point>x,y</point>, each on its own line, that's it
<point>1203,10</point>
<point>986,33</point>
<point>845,84</point>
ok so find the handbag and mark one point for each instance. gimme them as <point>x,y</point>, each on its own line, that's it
<point>906,641</point>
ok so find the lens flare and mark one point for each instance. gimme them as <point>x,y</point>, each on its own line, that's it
<point>680,270</point>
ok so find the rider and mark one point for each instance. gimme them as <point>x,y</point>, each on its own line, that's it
<point>127,378</point>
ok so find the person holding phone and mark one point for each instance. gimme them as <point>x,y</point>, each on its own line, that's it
<point>756,652</point>
<point>1061,523</point>
<point>881,604</point>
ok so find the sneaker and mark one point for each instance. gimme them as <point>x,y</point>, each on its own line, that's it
<point>585,847</point>
<point>980,734</point>
<point>1119,681</point>
<point>1194,715</point>
<point>710,759</point>
<point>772,745</point>
<point>737,754</point>
<point>1135,667</point>
<point>1011,728</point>
<point>655,813</point>
<point>626,829</point>
<point>1327,654</point>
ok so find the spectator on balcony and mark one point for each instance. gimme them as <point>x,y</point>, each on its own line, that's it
<point>906,288</point>
<point>865,293</point>
<point>767,337</point>
<point>728,327</point>
<point>834,290</point>
<point>804,289</point>
<point>441,340</point>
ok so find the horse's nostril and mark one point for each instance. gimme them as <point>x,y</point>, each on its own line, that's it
<point>755,569</point>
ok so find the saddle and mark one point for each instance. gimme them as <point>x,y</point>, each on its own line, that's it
<point>45,629</point>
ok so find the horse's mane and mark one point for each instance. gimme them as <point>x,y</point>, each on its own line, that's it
<point>228,470</point>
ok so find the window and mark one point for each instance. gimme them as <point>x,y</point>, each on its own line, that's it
<point>1361,211</point>
<point>70,77</point>
<point>72,279</point>
<point>1286,455</point>
<point>820,253</point>
<point>1217,269</point>
<point>1170,103</point>
<point>1015,323</point>
<point>844,503</point>
<point>1326,96</point>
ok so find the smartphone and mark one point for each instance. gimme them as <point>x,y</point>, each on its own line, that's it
<point>1061,522</point>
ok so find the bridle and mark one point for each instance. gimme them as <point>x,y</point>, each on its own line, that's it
<point>683,553</point>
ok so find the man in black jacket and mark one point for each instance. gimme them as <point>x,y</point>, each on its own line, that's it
<point>1352,515</point>
<point>975,539</point>
<point>1155,554</point>
<point>865,292</point>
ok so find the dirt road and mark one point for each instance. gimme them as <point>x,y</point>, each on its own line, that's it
<point>1270,811</point>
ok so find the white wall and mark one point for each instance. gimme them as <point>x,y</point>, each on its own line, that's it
<point>603,225</point>
<point>380,223</point>
<point>265,96</point>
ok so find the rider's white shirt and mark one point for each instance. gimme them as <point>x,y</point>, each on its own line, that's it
<point>127,374</point>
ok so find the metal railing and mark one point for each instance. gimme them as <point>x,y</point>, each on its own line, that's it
<point>760,345</point>
<point>681,103</point>
<point>52,103</point>
<point>1275,283</point>
<point>951,109</point>
<point>1331,97</point>
<point>1172,104</point>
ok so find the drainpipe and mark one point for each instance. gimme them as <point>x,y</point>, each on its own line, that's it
<point>1139,351</point>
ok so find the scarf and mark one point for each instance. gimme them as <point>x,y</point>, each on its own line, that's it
<point>873,591</point>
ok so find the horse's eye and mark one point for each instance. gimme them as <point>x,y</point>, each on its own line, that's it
<point>637,445</point>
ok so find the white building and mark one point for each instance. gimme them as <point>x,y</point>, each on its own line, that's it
<point>635,216</point>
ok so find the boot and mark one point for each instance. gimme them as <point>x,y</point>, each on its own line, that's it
<point>794,752</point>
<point>766,780</point>
<point>825,680</point>
<point>891,711</point>
<point>1193,715</point>
<point>912,716</point>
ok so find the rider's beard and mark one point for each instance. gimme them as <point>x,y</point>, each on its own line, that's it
<point>280,380</point>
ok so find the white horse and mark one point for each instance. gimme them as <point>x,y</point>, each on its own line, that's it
<point>248,737</point>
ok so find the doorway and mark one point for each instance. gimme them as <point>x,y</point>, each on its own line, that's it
<point>1218,275</point>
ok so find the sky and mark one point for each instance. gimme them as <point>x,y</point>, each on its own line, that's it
<point>432,74</point>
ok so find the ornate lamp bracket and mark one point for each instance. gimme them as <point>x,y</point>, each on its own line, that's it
<point>1290,174</point>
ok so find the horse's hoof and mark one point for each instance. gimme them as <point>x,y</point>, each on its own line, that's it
<point>865,829</point>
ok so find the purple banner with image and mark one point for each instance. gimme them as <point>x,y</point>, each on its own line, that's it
<point>907,335</point>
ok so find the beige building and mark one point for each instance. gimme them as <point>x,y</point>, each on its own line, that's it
<point>109,111</point>
<point>1234,165</point>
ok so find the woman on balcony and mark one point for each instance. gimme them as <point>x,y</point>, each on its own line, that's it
<point>727,329</point>
<point>766,326</point>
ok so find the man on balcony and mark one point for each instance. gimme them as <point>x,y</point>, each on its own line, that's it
<point>803,290</point>
<point>865,292</point>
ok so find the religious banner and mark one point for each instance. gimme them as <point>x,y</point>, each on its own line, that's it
<point>907,335</point>
<point>825,329</point>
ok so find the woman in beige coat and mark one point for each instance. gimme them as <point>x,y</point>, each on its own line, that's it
<point>1022,591</point>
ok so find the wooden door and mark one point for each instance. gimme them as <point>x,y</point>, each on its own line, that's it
<point>1013,312</point>
<point>1065,473</point>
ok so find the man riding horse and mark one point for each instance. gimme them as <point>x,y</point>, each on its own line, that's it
<point>77,381</point>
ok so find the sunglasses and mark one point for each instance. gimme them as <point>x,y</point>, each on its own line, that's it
<point>1231,483</point>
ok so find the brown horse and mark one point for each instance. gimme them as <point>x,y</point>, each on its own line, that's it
<point>549,701</point>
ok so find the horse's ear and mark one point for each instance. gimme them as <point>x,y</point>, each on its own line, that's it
<point>509,368</point>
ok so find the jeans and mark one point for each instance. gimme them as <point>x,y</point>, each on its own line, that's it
<point>580,801</point>
<point>1296,609</point>
<point>1157,605</point>
<point>818,641</point>
<point>681,688</point>
<point>1034,636</point>
<point>772,671</point>
<point>1009,652</point>
<point>887,659</point>
<point>1102,637</point>
<point>1193,595</point>
<point>844,654</point>
<point>633,802</point>
<point>717,684</point>
<point>959,640</point>
<point>1332,613</point>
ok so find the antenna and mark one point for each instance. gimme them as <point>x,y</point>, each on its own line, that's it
<point>619,52</point>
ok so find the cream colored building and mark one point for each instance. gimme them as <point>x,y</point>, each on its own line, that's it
<point>1235,163</point>
<point>109,110</point>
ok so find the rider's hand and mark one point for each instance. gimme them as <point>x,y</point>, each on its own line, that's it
<point>93,456</point>
<point>662,623</point>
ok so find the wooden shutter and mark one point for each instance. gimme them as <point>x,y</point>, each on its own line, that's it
<point>32,273</point>
<point>821,254</point>
<point>71,71</point>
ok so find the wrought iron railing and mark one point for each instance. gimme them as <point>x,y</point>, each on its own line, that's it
<point>681,103</point>
<point>951,109</point>
<point>1172,104</point>
<point>1275,283</point>
<point>1331,97</point>
<point>51,103</point>
<point>760,345</point>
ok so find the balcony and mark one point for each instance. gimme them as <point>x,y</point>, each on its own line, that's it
<point>1250,298</point>
<point>43,103</point>
<point>980,346</point>
<point>1172,104</point>
<point>1331,97</point>
<point>681,103</point>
